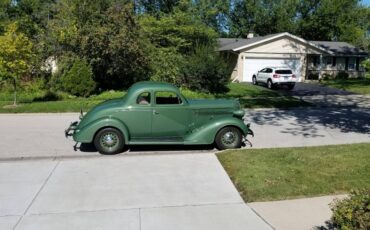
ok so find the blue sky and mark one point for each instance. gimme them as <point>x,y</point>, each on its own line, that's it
<point>366,2</point>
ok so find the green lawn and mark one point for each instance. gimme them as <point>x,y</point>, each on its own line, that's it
<point>361,86</point>
<point>250,96</point>
<point>285,173</point>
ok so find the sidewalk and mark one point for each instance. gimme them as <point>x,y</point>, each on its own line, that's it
<point>307,213</point>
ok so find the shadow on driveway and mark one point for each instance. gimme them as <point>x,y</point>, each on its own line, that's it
<point>305,122</point>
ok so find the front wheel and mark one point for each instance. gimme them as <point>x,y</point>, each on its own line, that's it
<point>254,80</point>
<point>270,84</point>
<point>109,141</point>
<point>228,138</point>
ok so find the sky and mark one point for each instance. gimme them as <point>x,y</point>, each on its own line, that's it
<point>366,2</point>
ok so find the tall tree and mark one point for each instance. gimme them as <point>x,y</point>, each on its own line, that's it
<point>107,35</point>
<point>15,55</point>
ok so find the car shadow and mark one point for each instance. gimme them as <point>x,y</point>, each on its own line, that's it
<point>89,147</point>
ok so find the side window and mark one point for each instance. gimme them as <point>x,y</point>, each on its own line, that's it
<point>167,98</point>
<point>268,70</point>
<point>143,99</point>
<point>263,70</point>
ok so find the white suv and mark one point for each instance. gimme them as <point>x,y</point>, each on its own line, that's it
<point>275,76</point>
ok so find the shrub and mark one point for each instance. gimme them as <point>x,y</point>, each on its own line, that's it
<point>366,64</point>
<point>352,212</point>
<point>206,71</point>
<point>342,75</point>
<point>313,76</point>
<point>78,79</point>
<point>327,76</point>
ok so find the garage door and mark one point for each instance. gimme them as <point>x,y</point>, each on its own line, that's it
<point>252,65</point>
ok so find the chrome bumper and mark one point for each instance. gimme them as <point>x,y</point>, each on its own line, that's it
<point>70,130</point>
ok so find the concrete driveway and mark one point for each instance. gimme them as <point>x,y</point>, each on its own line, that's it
<point>163,192</point>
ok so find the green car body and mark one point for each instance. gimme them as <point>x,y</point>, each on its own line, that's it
<point>165,117</point>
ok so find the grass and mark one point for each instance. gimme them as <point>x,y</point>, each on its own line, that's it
<point>286,173</point>
<point>249,96</point>
<point>360,85</point>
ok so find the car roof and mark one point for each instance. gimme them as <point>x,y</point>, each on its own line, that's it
<point>152,85</point>
<point>277,67</point>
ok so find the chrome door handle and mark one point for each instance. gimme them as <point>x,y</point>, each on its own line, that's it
<point>155,112</point>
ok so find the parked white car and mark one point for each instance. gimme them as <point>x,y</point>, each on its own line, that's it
<point>275,76</point>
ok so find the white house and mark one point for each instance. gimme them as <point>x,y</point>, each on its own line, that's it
<point>306,58</point>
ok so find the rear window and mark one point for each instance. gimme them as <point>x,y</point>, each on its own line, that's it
<point>283,71</point>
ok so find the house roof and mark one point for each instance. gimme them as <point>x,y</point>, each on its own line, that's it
<point>235,43</point>
<point>333,48</point>
<point>340,48</point>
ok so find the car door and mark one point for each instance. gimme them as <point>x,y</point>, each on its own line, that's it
<point>268,74</point>
<point>138,116</point>
<point>171,116</point>
<point>260,75</point>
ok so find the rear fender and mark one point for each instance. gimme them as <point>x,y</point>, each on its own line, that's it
<point>86,134</point>
<point>206,134</point>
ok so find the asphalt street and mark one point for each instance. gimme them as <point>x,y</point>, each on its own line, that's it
<point>42,135</point>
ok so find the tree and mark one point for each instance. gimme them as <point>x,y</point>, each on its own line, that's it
<point>107,35</point>
<point>15,55</point>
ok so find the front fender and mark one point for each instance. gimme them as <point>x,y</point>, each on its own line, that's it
<point>206,134</point>
<point>86,134</point>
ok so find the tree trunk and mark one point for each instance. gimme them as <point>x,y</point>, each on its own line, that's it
<point>15,92</point>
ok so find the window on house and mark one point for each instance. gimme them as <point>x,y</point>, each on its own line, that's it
<point>351,63</point>
<point>328,60</point>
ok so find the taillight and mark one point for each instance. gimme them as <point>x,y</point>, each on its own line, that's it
<point>276,76</point>
<point>293,76</point>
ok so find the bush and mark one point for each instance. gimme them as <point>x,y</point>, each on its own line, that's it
<point>206,71</point>
<point>327,76</point>
<point>352,212</point>
<point>366,64</point>
<point>342,75</point>
<point>78,79</point>
<point>313,76</point>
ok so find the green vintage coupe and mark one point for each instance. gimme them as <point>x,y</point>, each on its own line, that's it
<point>153,113</point>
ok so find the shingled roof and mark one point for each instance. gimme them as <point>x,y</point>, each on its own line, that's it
<point>340,48</point>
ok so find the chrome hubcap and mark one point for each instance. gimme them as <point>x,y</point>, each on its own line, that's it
<point>229,138</point>
<point>109,140</point>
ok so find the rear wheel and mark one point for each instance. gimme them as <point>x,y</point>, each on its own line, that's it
<point>109,141</point>
<point>254,80</point>
<point>228,138</point>
<point>269,84</point>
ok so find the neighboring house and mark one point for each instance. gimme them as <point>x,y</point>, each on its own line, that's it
<point>306,58</point>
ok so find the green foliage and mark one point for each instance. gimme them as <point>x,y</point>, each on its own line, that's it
<point>78,80</point>
<point>106,34</point>
<point>352,212</point>
<point>206,71</point>
<point>15,53</point>
<point>366,64</point>
<point>342,75</point>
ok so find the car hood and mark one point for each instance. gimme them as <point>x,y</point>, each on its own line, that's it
<point>214,104</point>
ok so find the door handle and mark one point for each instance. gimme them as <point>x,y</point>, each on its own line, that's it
<point>155,112</point>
